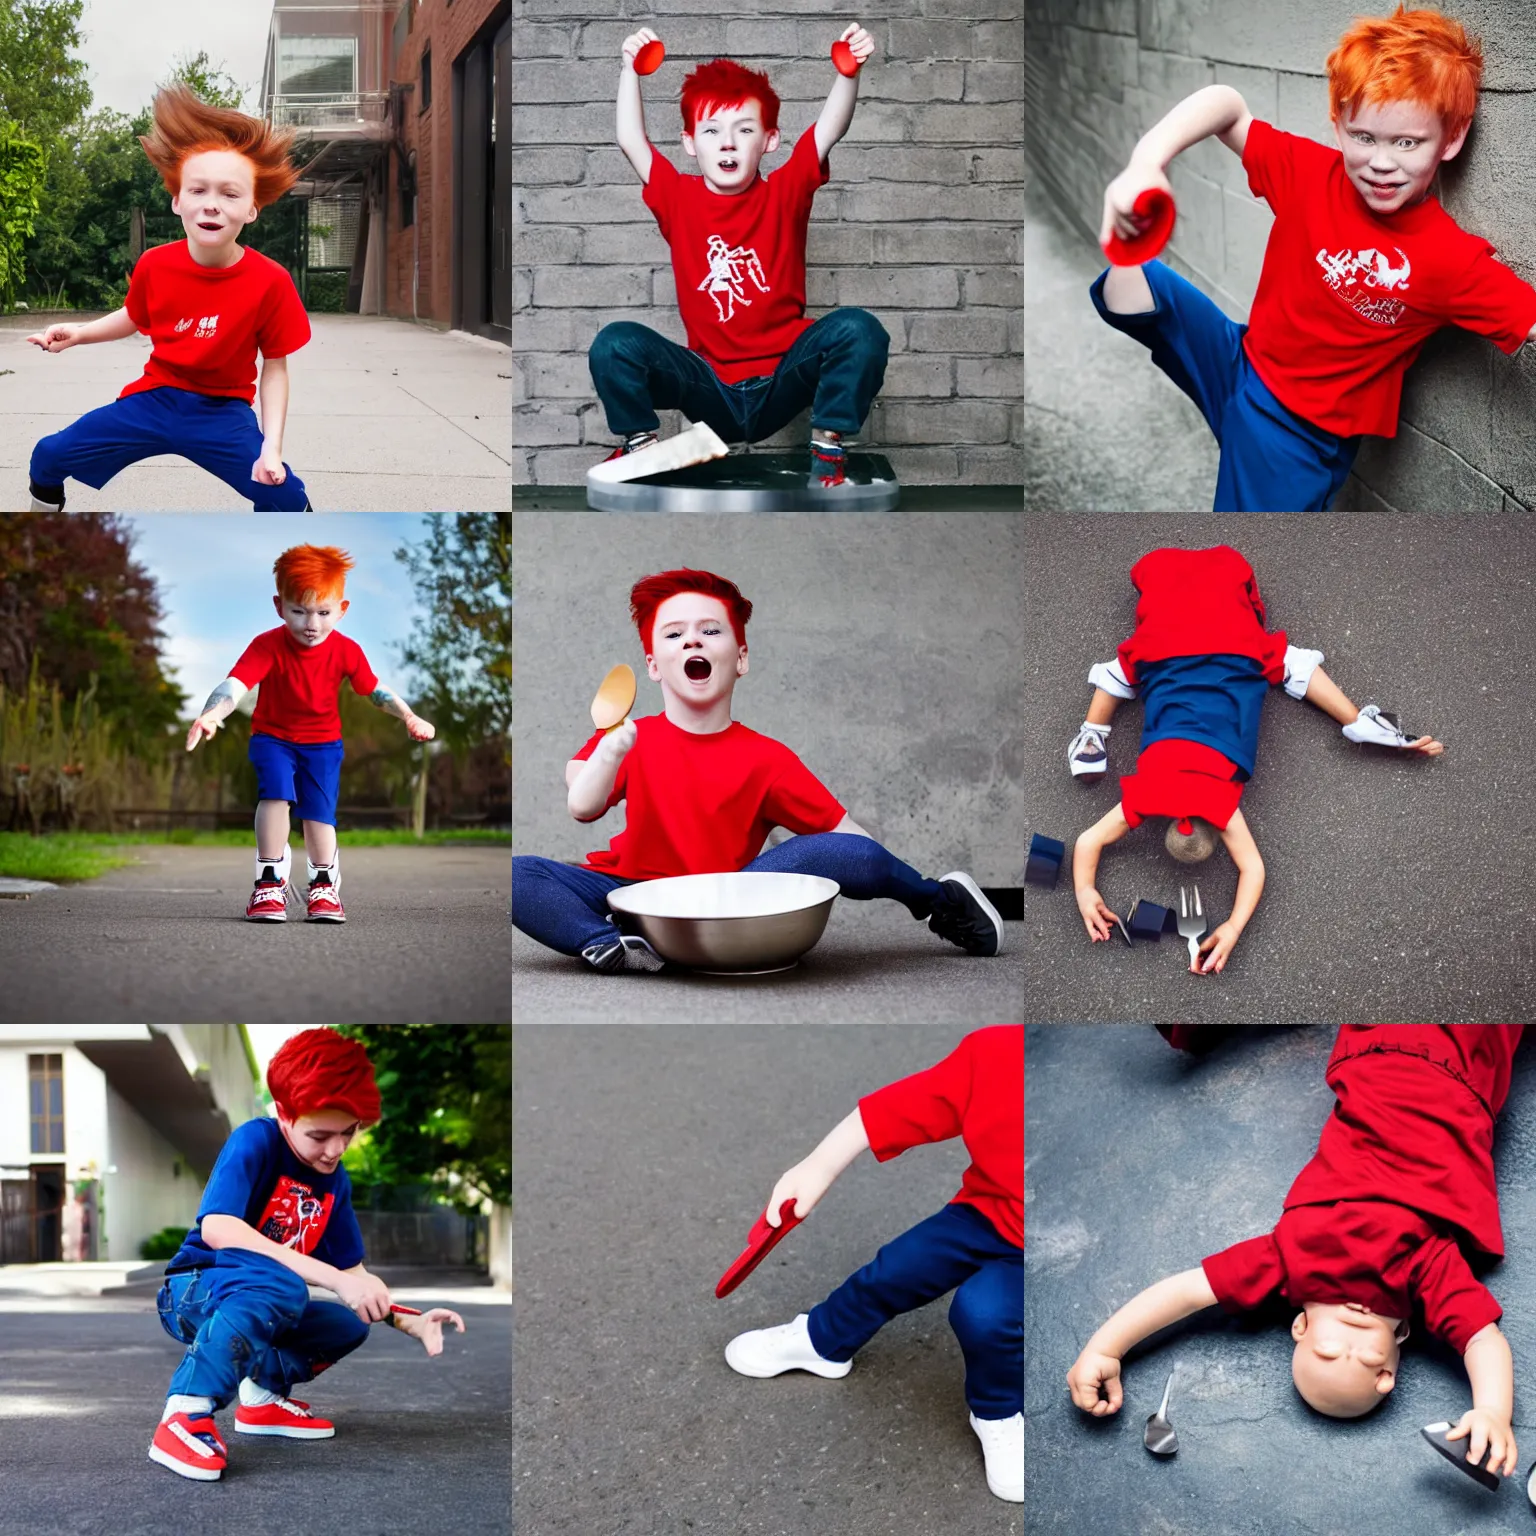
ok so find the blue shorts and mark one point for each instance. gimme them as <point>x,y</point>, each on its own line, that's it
<point>216,432</point>
<point>305,773</point>
<point>1272,460</point>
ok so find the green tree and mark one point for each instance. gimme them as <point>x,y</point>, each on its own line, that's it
<point>43,88</point>
<point>447,1096</point>
<point>22,167</point>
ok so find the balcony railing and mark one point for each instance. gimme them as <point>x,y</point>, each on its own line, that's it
<point>365,111</point>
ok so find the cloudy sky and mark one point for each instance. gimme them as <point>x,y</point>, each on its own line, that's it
<point>215,577</point>
<point>130,45</point>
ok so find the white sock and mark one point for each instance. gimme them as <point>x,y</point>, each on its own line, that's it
<point>180,1404</point>
<point>254,1397</point>
<point>330,869</point>
<point>282,865</point>
<point>1103,730</point>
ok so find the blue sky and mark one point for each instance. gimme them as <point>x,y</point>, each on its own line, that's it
<point>214,572</point>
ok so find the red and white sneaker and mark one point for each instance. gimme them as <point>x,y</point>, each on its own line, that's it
<point>268,903</point>
<point>191,1446</point>
<point>324,901</point>
<point>287,1416</point>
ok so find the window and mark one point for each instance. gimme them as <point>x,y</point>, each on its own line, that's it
<point>426,79</point>
<point>47,1087</point>
<point>317,66</point>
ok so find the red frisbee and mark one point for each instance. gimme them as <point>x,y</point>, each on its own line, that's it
<point>760,1243</point>
<point>648,59</point>
<point>1156,206</point>
<point>843,58</point>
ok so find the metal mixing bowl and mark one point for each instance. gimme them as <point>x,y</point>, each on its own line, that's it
<point>743,923</point>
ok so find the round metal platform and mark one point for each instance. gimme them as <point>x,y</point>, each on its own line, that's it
<point>754,482</point>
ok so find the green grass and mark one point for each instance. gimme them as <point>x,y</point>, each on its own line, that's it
<point>84,855</point>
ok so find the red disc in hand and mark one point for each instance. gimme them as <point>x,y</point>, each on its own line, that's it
<point>843,58</point>
<point>760,1243</point>
<point>1157,207</point>
<point>648,59</point>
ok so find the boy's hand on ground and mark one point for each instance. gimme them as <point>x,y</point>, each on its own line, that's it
<point>269,469</point>
<point>1096,915</point>
<point>204,725</point>
<point>1120,198</point>
<point>429,1327</point>
<point>419,729</point>
<point>1215,948</point>
<point>1487,1430</point>
<point>1091,1371</point>
<point>366,1294</point>
<point>805,1184</point>
<point>615,746</point>
<point>57,338</point>
<point>1425,746</point>
<point>634,43</point>
<point>860,44</point>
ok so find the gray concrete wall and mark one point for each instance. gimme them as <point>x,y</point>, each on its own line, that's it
<point>884,651</point>
<point>1099,73</point>
<point>919,223</point>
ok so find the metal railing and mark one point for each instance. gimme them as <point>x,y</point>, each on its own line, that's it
<point>329,109</point>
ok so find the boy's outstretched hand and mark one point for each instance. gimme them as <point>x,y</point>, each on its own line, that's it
<point>1091,1371</point>
<point>860,44</point>
<point>1215,949</point>
<point>419,729</point>
<point>57,338</point>
<point>204,726</point>
<point>1096,916</point>
<point>805,1184</point>
<point>429,1327</point>
<point>634,43</point>
<point>1120,199</point>
<point>1489,1432</point>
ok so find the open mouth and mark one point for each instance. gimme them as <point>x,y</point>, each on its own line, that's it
<point>697,668</point>
<point>728,163</point>
<point>211,225</point>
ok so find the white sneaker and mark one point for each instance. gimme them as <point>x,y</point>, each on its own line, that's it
<point>769,1351</point>
<point>1002,1444</point>
<point>1376,729</point>
<point>1086,756</point>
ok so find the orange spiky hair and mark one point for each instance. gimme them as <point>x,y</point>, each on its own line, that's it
<point>1408,56</point>
<point>186,126</point>
<point>312,568</point>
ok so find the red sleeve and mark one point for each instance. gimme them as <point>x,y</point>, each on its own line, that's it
<point>660,192</point>
<point>284,325</point>
<point>1277,163</point>
<point>927,1106</point>
<point>1490,299</point>
<point>359,672</point>
<point>1456,1305</point>
<point>797,799</point>
<point>137,302</point>
<point>1246,1274</point>
<point>254,664</point>
<point>621,778</point>
<point>805,171</point>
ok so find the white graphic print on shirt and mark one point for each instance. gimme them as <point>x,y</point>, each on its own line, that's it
<point>725,282</point>
<point>1360,278</point>
<point>206,327</point>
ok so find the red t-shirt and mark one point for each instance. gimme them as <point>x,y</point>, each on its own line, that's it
<point>1181,778</point>
<point>299,683</point>
<point>701,804</point>
<point>207,323</point>
<point>1347,297</point>
<point>976,1093</point>
<point>739,262</point>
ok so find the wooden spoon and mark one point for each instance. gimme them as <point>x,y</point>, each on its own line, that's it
<point>614,699</point>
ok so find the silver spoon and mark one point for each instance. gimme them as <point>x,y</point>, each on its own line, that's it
<point>1159,1437</point>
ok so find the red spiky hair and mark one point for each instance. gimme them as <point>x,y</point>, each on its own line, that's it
<point>1408,56</point>
<point>186,126</point>
<point>320,1069</point>
<point>318,568</point>
<point>650,592</point>
<point>724,83</point>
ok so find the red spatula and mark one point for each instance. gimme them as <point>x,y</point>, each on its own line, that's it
<point>761,1241</point>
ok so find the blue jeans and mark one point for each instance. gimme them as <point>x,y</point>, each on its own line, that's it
<point>958,1249</point>
<point>1272,460</point>
<point>566,908</point>
<point>246,1315</point>
<point>836,367</point>
<point>218,433</point>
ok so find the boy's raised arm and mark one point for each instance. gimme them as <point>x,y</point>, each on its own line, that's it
<point>1107,829</point>
<point>837,114</point>
<point>217,708</point>
<point>588,789</point>
<point>631,132</point>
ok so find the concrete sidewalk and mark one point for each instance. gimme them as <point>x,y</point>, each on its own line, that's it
<point>385,416</point>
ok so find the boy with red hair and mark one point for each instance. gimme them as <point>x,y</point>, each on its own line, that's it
<point>754,359</point>
<point>1363,264</point>
<point>275,1218</point>
<point>296,742</point>
<point>208,305</point>
<point>703,792</point>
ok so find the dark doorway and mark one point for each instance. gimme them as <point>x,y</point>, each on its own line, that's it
<point>482,191</point>
<point>47,1213</point>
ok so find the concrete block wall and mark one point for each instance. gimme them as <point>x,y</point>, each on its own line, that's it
<point>920,222</point>
<point>1099,73</point>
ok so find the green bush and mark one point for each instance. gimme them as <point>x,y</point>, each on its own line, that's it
<point>165,1244</point>
<point>328,293</point>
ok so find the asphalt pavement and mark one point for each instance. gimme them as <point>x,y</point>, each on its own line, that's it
<point>641,1160</point>
<point>384,416</point>
<point>1142,1161</point>
<point>421,1444</point>
<point>425,941</point>
<point>1397,888</point>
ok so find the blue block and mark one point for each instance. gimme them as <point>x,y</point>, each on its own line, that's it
<point>1148,920</point>
<point>1044,863</point>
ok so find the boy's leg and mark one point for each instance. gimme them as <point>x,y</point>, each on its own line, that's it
<point>272,825</point>
<point>560,906</point>
<point>1330,698</point>
<point>1101,708</point>
<point>987,1314</point>
<point>223,436</point>
<point>864,869</point>
<point>94,448</point>
<point>274,762</point>
<point>637,371</point>
<point>322,1334</point>
<point>317,780</point>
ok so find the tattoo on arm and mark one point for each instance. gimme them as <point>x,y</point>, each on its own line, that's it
<point>224,698</point>
<point>391,703</point>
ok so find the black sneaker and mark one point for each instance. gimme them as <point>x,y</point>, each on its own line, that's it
<point>45,498</point>
<point>625,952</point>
<point>965,917</point>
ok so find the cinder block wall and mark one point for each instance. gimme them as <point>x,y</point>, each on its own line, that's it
<point>1099,73</point>
<point>919,223</point>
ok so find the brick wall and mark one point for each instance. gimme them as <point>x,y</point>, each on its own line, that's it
<point>919,223</point>
<point>1101,72</point>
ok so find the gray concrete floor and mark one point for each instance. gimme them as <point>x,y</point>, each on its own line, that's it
<point>875,962</point>
<point>1397,888</point>
<point>1141,1161</point>
<point>1104,429</point>
<point>922,498</point>
<point>385,416</point>
<point>640,1161</point>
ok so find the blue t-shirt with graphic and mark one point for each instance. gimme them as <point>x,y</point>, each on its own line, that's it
<point>1217,700</point>
<point>258,1179</point>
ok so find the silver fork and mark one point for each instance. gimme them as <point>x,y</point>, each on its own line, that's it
<point>1191,923</point>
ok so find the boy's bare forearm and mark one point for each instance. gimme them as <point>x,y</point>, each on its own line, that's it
<point>1491,1371</point>
<point>1085,860</point>
<point>1179,1296</point>
<point>391,703</point>
<point>836,114</point>
<point>841,1144</point>
<point>230,1232</point>
<point>224,699</point>
<point>1250,886</point>
<point>630,128</point>
<point>1214,109</point>
<point>587,797</point>
<point>274,400</point>
<point>114,327</point>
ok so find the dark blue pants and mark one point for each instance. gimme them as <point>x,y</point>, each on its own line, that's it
<point>1272,460</point>
<point>958,1250</point>
<point>216,433</point>
<point>836,367</point>
<point>246,1315</point>
<point>566,908</point>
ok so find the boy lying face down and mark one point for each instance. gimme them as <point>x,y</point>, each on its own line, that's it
<point>1400,1195</point>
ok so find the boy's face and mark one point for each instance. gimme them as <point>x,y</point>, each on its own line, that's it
<point>1345,1360</point>
<point>729,145</point>
<point>694,654</point>
<point>1392,150</point>
<point>319,1140</point>
<point>217,198</point>
<point>310,619</point>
